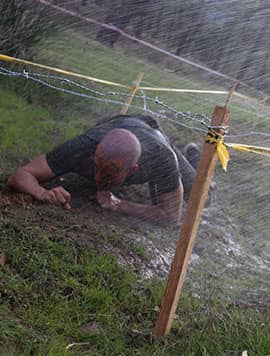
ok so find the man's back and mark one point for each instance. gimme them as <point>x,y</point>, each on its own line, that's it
<point>158,163</point>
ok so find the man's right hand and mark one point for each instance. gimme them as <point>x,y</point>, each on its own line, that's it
<point>26,179</point>
<point>56,196</point>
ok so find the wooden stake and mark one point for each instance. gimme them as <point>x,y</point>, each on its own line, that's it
<point>190,227</point>
<point>231,92</point>
<point>134,88</point>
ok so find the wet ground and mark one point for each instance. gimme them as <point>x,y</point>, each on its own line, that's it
<point>220,264</point>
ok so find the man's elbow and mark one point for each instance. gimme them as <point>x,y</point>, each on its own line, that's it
<point>11,181</point>
<point>174,214</point>
<point>169,218</point>
<point>14,179</point>
<point>173,220</point>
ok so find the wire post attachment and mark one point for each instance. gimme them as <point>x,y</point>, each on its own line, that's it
<point>231,92</point>
<point>189,229</point>
<point>134,89</point>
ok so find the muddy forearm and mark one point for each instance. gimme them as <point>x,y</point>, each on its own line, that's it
<point>151,213</point>
<point>25,182</point>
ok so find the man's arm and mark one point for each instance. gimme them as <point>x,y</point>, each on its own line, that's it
<point>27,179</point>
<point>168,209</point>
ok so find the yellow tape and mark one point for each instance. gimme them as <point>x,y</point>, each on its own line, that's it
<point>212,137</point>
<point>62,71</point>
<point>248,148</point>
<point>222,152</point>
<point>103,81</point>
<point>195,91</point>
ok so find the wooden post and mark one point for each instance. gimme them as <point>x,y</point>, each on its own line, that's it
<point>190,227</point>
<point>134,88</point>
<point>231,92</point>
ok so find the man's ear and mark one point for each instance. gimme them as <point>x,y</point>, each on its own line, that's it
<point>132,170</point>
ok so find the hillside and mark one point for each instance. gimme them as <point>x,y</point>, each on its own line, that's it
<point>231,37</point>
<point>60,283</point>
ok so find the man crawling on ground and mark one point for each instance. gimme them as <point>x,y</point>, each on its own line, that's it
<point>122,150</point>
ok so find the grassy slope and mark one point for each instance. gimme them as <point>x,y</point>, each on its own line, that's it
<point>56,292</point>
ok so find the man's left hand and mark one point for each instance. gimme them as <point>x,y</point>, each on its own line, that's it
<point>107,200</point>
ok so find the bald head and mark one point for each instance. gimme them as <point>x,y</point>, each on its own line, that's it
<point>120,144</point>
<point>116,158</point>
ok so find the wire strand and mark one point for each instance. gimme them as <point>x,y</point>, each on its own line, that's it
<point>202,119</point>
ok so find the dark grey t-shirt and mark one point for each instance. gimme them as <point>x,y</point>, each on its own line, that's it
<point>158,164</point>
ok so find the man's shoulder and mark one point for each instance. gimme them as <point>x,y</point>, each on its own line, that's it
<point>148,120</point>
<point>136,119</point>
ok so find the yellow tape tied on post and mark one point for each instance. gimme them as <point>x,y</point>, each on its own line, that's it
<point>222,152</point>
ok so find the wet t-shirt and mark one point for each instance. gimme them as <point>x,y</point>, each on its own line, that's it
<point>158,164</point>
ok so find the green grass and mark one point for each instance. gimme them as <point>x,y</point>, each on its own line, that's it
<point>88,57</point>
<point>27,130</point>
<point>55,293</point>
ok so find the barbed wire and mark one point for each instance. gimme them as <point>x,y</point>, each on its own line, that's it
<point>199,118</point>
<point>184,115</point>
